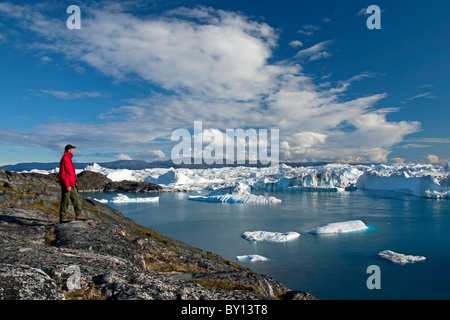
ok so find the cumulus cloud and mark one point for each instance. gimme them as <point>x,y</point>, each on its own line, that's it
<point>124,157</point>
<point>431,158</point>
<point>214,66</point>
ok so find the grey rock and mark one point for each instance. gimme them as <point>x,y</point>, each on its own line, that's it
<point>21,282</point>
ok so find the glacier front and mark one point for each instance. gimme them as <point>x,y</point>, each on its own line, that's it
<point>424,180</point>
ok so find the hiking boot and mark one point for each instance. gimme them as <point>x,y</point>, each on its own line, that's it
<point>65,220</point>
<point>81,218</point>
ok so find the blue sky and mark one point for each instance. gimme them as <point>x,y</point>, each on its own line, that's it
<point>137,70</point>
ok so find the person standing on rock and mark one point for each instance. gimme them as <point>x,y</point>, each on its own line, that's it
<point>68,180</point>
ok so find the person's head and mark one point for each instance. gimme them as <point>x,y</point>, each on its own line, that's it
<point>70,148</point>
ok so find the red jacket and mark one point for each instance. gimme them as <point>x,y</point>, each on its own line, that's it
<point>67,175</point>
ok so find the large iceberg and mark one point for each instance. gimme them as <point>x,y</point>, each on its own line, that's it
<point>270,236</point>
<point>400,258</point>
<point>340,227</point>
<point>174,178</point>
<point>418,180</point>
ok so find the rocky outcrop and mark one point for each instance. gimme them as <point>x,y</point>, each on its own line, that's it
<point>107,257</point>
<point>132,186</point>
<point>89,181</point>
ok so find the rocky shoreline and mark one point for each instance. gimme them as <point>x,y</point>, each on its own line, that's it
<point>109,256</point>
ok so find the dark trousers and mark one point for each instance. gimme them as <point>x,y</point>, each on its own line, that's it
<point>67,196</point>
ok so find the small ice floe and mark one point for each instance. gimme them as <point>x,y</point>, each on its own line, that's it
<point>400,258</point>
<point>121,198</point>
<point>252,258</point>
<point>340,227</point>
<point>270,236</point>
<point>101,200</point>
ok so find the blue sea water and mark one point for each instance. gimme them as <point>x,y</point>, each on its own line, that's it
<point>328,266</point>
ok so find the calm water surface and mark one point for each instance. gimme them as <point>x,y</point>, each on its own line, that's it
<point>329,266</point>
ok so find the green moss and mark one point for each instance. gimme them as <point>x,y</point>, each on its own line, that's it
<point>52,209</point>
<point>3,188</point>
<point>91,293</point>
<point>91,210</point>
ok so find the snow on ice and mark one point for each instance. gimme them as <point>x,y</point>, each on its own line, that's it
<point>400,258</point>
<point>252,258</point>
<point>121,198</point>
<point>340,227</point>
<point>236,198</point>
<point>270,236</point>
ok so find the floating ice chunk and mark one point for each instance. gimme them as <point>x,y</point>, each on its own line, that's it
<point>236,198</point>
<point>340,227</point>
<point>400,258</point>
<point>252,258</point>
<point>101,200</point>
<point>121,198</point>
<point>270,236</point>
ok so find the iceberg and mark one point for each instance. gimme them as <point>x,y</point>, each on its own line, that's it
<point>174,177</point>
<point>400,258</point>
<point>270,236</point>
<point>236,198</point>
<point>340,227</point>
<point>252,258</point>
<point>121,198</point>
<point>237,193</point>
<point>429,181</point>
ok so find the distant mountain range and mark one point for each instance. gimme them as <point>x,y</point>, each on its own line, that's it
<point>139,165</point>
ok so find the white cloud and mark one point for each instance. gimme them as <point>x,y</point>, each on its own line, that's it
<point>159,154</point>
<point>124,157</point>
<point>215,67</point>
<point>308,30</point>
<point>315,52</point>
<point>431,158</point>
<point>428,95</point>
<point>362,12</point>
<point>62,94</point>
<point>296,43</point>
<point>226,56</point>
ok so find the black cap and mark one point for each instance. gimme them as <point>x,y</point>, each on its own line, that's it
<point>69,146</point>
